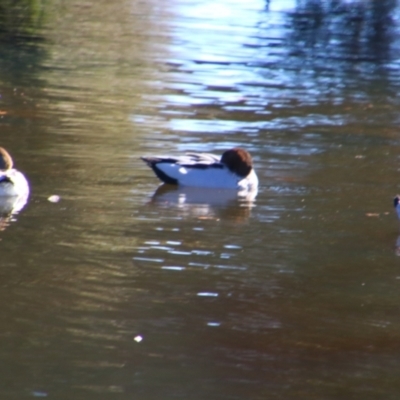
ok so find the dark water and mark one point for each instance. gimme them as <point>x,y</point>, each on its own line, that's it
<point>123,291</point>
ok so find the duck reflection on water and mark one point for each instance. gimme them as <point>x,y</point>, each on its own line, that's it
<point>204,203</point>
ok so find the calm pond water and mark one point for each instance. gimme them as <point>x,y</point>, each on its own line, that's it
<point>124,290</point>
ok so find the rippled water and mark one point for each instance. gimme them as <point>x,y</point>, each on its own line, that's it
<point>124,289</point>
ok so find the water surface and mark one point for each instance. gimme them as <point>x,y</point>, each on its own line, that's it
<point>126,290</point>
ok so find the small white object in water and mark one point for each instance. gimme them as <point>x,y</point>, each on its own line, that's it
<point>138,338</point>
<point>207,294</point>
<point>54,198</point>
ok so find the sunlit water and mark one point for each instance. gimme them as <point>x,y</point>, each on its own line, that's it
<point>122,289</point>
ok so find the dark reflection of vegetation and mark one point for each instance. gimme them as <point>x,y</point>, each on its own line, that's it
<point>362,30</point>
<point>20,19</point>
<point>21,52</point>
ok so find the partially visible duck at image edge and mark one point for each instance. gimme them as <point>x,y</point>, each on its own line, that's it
<point>396,203</point>
<point>12,182</point>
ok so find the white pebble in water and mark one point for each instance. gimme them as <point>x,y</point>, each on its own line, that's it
<point>54,198</point>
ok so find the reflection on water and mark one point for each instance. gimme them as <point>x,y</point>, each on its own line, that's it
<point>186,293</point>
<point>9,207</point>
<point>20,21</point>
<point>204,202</point>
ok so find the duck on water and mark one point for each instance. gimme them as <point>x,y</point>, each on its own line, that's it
<point>233,170</point>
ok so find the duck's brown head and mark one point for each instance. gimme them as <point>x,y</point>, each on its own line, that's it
<point>238,161</point>
<point>6,161</point>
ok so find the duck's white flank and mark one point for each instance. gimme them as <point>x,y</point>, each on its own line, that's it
<point>234,170</point>
<point>12,182</point>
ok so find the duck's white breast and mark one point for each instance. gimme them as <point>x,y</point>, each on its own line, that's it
<point>250,183</point>
<point>15,185</point>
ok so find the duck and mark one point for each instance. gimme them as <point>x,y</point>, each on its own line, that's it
<point>396,203</point>
<point>233,170</point>
<point>12,182</point>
